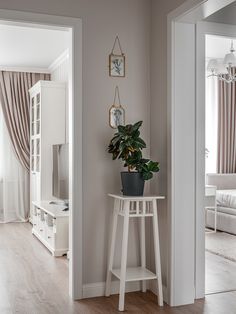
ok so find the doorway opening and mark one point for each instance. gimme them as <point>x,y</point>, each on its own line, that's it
<point>220,166</point>
<point>72,27</point>
<point>186,146</point>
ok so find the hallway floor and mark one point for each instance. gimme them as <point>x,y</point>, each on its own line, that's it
<point>34,282</point>
<point>220,274</point>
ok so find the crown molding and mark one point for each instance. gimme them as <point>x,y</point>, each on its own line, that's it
<point>56,63</point>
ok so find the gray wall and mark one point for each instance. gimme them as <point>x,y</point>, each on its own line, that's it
<point>225,16</point>
<point>102,21</point>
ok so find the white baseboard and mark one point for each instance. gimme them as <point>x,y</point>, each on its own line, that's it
<point>97,289</point>
<point>153,288</point>
<point>93,290</point>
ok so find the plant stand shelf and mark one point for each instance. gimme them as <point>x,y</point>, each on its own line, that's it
<point>134,207</point>
<point>135,274</point>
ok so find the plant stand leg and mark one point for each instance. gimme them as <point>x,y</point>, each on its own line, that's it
<point>143,246</point>
<point>157,253</point>
<point>124,256</point>
<point>112,247</point>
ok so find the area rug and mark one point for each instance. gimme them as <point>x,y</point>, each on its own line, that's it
<point>222,244</point>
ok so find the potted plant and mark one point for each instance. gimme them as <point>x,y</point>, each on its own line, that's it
<point>127,145</point>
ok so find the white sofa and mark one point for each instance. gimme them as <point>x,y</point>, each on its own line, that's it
<point>226,214</point>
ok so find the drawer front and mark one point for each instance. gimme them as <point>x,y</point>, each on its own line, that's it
<point>42,224</point>
<point>34,211</point>
<point>49,220</point>
<point>35,222</point>
<point>50,236</point>
<point>41,228</point>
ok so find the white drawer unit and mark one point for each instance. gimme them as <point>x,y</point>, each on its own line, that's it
<point>51,226</point>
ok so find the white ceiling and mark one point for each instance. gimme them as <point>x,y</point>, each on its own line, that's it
<point>217,47</point>
<point>225,15</point>
<point>31,47</point>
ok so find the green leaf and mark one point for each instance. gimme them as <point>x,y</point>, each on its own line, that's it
<point>137,125</point>
<point>121,129</point>
<point>153,166</point>
<point>141,142</point>
<point>147,175</point>
<point>136,134</point>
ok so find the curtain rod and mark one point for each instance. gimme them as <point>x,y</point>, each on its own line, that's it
<point>25,69</point>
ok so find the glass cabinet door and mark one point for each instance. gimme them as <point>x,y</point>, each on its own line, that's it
<point>32,163</point>
<point>38,98</point>
<point>32,128</point>
<point>37,166</point>
<point>37,114</point>
<point>32,116</point>
<point>37,127</point>
<point>32,155</point>
<point>32,147</point>
<point>32,109</point>
<point>35,132</point>
<point>37,146</point>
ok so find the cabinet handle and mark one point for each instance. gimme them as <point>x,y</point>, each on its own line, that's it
<point>34,224</point>
<point>49,237</point>
<point>41,230</point>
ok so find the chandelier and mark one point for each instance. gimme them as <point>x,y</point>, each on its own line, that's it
<point>224,71</point>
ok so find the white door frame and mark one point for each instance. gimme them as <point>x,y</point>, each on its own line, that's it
<point>74,25</point>
<point>203,29</point>
<point>186,138</point>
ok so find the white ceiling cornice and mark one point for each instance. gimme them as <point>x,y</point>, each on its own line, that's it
<point>56,63</point>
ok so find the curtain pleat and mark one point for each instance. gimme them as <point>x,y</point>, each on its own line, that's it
<point>15,102</point>
<point>226,159</point>
<point>15,144</point>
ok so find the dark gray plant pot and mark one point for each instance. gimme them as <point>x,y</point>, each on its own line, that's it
<point>132,183</point>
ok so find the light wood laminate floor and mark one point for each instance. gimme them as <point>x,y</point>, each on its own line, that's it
<point>220,274</point>
<point>33,282</point>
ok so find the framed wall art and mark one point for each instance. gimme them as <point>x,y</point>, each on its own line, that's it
<point>117,116</point>
<point>116,112</point>
<point>117,61</point>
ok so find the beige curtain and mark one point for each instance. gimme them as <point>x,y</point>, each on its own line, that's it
<point>15,102</point>
<point>226,161</point>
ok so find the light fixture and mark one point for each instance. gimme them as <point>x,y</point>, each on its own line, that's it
<point>224,71</point>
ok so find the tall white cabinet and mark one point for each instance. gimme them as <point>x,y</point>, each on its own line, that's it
<point>48,127</point>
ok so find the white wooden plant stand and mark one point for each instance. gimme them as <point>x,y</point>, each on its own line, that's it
<point>134,207</point>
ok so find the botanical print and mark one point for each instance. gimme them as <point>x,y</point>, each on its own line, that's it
<point>117,65</point>
<point>117,116</point>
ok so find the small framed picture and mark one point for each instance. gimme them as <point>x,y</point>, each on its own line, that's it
<point>117,116</point>
<point>117,65</point>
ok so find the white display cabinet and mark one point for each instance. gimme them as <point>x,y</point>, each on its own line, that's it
<point>47,128</point>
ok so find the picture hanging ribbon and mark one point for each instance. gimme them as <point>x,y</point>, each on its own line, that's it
<point>117,96</point>
<point>117,42</point>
